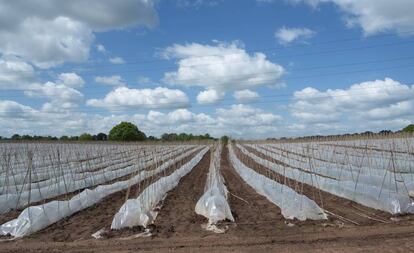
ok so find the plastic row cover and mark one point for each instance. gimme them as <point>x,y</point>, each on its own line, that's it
<point>140,211</point>
<point>213,204</point>
<point>367,195</point>
<point>17,175</point>
<point>10,201</point>
<point>292,204</point>
<point>363,156</point>
<point>15,181</point>
<point>400,182</point>
<point>35,218</point>
<point>379,168</point>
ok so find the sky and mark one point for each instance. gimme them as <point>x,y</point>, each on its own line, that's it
<point>249,69</point>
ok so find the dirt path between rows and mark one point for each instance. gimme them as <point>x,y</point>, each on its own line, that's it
<point>253,213</point>
<point>177,217</point>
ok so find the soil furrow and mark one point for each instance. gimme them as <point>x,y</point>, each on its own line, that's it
<point>177,216</point>
<point>337,205</point>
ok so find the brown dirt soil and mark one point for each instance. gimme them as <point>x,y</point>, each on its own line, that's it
<point>259,227</point>
<point>251,211</point>
<point>177,216</point>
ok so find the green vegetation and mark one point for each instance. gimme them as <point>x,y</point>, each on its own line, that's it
<point>126,131</point>
<point>27,137</point>
<point>408,129</point>
<point>85,137</point>
<point>224,139</point>
<point>100,137</point>
<point>184,137</point>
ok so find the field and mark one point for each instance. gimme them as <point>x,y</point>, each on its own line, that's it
<point>321,196</point>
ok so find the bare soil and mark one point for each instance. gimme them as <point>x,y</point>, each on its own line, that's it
<point>259,226</point>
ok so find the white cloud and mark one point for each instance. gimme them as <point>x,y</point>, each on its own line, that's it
<point>251,122</point>
<point>23,119</point>
<point>143,80</point>
<point>362,104</point>
<point>47,43</point>
<point>141,98</point>
<point>374,16</point>
<point>243,121</point>
<point>209,96</point>
<point>60,95</point>
<point>13,109</point>
<point>197,3</point>
<point>101,48</point>
<point>99,15</point>
<point>221,67</point>
<point>114,80</point>
<point>244,115</point>
<point>157,123</point>
<point>392,111</point>
<point>48,33</point>
<point>288,35</point>
<point>71,80</point>
<point>15,73</point>
<point>116,60</point>
<point>246,95</point>
<point>179,116</point>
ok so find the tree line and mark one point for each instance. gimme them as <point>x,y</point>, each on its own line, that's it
<point>406,130</point>
<point>125,131</point>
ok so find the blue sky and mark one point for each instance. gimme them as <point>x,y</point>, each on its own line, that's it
<point>249,69</point>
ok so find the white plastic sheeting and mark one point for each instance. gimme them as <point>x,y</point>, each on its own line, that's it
<point>67,184</point>
<point>399,182</point>
<point>213,204</point>
<point>364,156</point>
<point>16,181</point>
<point>367,195</point>
<point>35,218</point>
<point>321,160</point>
<point>48,164</point>
<point>292,204</point>
<point>140,211</point>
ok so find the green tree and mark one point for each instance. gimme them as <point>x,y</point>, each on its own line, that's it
<point>152,138</point>
<point>85,137</point>
<point>126,131</point>
<point>409,129</point>
<point>224,139</point>
<point>16,137</point>
<point>74,138</point>
<point>64,138</point>
<point>101,137</point>
<point>26,137</point>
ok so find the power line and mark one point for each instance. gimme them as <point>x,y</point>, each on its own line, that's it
<point>263,75</point>
<point>121,108</point>
<point>207,64</point>
<point>276,48</point>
